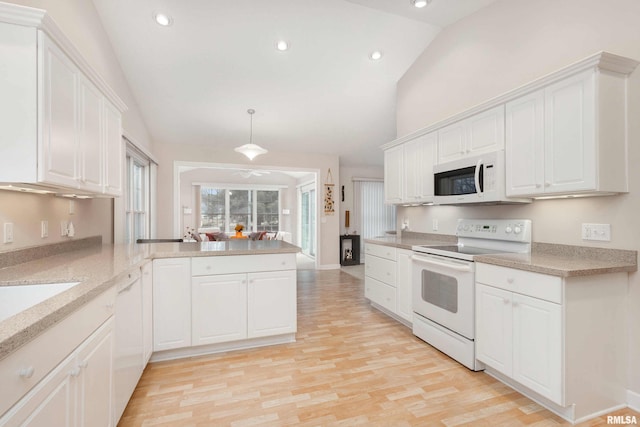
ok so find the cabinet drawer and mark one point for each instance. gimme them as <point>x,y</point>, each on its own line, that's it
<point>380,293</point>
<point>380,269</point>
<point>535,285</point>
<point>24,368</point>
<point>381,251</point>
<point>204,266</point>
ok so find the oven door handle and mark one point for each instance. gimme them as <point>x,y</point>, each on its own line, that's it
<point>445,264</point>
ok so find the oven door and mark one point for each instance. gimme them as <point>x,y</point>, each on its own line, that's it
<point>443,291</point>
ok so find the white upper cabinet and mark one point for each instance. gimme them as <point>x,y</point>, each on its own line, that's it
<point>419,157</point>
<point>569,136</point>
<point>408,170</point>
<point>61,123</point>
<point>480,133</point>
<point>393,174</point>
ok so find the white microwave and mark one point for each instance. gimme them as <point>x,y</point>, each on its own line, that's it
<point>478,179</point>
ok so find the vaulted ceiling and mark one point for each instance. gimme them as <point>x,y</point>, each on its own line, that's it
<point>195,79</point>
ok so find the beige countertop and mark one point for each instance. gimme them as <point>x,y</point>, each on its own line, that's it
<point>97,268</point>
<point>545,258</point>
<point>567,261</point>
<point>407,240</point>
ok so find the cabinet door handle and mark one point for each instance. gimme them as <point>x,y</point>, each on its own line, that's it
<point>506,301</point>
<point>510,280</point>
<point>83,364</point>
<point>75,371</point>
<point>515,304</point>
<point>26,372</point>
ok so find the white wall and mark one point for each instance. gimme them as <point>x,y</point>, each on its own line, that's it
<point>505,46</point>
<point>79,21</point>
<point>167,154</point>
<point>26,211</point>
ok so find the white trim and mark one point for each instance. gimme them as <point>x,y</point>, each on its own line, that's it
<point>601,60</point>
<point>633,400</point>
<point>329,267</point>
<point>358,178</point>
<point>21,15</point>
<point>180,353</point>
<point>232,186</point>
<point>127,136</point>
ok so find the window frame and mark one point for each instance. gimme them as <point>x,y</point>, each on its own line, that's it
<point>133,159</point>
<point>253,188</point>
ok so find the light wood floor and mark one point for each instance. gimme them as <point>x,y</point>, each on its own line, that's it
<point>351,365</point>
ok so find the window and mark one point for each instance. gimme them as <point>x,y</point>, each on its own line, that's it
<point>136,197</point>
<point>371,216</point>
<point>224,207</point>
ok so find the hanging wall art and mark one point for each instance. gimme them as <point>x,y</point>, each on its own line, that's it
<point>328,195</point>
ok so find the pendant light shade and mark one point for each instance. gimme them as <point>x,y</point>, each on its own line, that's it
<point>251,150</point>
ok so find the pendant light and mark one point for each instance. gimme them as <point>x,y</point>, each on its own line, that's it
<point>251,150</point>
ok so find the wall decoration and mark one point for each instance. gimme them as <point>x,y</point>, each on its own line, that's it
<point>328,195</point>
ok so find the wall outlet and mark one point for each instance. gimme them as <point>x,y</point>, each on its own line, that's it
<point>64,227</point>
<point>434,225</point>
<point>600,232</point>
<point>8,232</point>
<point>405,225</point>
<point>44,228</point>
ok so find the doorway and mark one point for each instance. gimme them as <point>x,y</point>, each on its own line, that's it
<point>308,219</point>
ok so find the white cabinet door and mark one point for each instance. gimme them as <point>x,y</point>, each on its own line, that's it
<point>452,142</point>
<point>219,308</point>
<point>481,133</point>
<point>271,303</point>
<point>393,174</point>
<point>171,303</point>
<point>419,158</point>
<point>50,403</point>
<point>525,145</point>
<point>147,312</point>
<point>494,328</point>
<point>78,392</point>
<point>95,381</point>
<point>90,147</point>
<point>570,163</point>
<point>404,299</point>
<point>485,132</point>
<point>58,108</point>
<point>114,150</point>
<point>537,346</point>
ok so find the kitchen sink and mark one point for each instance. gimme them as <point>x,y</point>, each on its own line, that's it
<point>14,299</point>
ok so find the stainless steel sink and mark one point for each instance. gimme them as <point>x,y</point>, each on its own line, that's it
<point>14,299</point>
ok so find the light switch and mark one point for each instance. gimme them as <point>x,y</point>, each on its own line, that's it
<point>44,228</point>
<point>8,232</point>
<point>600,232</point>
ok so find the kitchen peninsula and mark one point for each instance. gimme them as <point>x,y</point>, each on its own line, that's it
<point>170,299</point>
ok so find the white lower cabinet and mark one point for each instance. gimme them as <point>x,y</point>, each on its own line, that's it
<point>520,337</point>
<point>219,308</point>
<point>388,279</point>
<point>171,303</point>
<point>78,392</point>
<point>271,303</point>
<point>543,335</point>
<point>204,301</point>
<point>147,312</point>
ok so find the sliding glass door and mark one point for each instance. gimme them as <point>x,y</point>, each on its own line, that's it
<point>308,221</point>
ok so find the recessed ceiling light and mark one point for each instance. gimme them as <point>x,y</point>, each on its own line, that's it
<point>375,55</point>
<point>282,45</point>
<point>162,19</point>
<point>420,3</point>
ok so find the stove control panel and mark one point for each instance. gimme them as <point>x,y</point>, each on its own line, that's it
<point>518,230</point>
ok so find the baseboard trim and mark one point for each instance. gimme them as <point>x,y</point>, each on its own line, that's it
<point>203,350</point>
<point>329,267</point>
<point>633,400</point>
